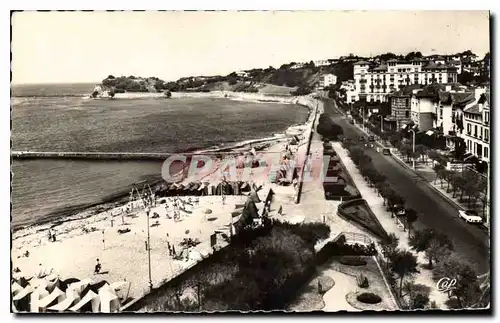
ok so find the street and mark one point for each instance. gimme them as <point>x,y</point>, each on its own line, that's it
<point>470,241</point>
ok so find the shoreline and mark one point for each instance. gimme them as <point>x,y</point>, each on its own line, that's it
<point>119,199</point>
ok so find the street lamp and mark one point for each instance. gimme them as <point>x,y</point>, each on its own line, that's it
<point>413,131</point>
<point>149,249</point>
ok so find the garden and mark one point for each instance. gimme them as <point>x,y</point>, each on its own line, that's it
<point>261,270</point>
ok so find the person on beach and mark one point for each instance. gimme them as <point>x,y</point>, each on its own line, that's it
<point>53,237</point>
<point>97,268</point>
<point>50,235</point>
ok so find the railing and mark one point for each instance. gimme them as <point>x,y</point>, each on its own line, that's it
<point>353,237</point>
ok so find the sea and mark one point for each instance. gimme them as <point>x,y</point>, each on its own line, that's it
<point>60,117</point>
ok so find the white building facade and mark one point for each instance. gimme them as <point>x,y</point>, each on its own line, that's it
<point>477,129</point>
<point>326,80</point>
<point>376,83</point>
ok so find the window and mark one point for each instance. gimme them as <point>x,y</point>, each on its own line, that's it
<point>468,128</point>
<point>486,134</point>
<point>475,130</point>
<point>486,152</point>
<point>407,114</point>
<point>486,117</point>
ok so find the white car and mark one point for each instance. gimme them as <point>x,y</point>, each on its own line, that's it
<point>470,216</point>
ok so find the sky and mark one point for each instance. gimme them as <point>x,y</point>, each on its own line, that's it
<point>71,47</point>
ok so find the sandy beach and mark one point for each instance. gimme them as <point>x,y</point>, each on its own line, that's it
<point>124,255</point>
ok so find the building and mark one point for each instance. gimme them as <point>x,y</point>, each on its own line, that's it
<point>242,74</point>
<point>326,80</point>
<point>423,106</point>
<point>323,62</point>
<point>375,83</point>
<point>477,128</point>
<point>399,102</point>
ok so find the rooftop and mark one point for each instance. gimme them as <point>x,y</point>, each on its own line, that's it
<point>407,90</point>
<point>473,109</point>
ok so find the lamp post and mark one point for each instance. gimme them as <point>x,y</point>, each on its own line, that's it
<point>381,123</point>
<point>413,131</point>
<point>149,249</point>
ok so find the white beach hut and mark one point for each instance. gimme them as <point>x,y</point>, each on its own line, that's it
<point>39,293</point>
<point>57,296</point>
<point>91,298</point>
<point>109,301</point>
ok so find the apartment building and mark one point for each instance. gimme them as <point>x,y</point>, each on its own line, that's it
<point>477,128</point>
<point>400,106</point>
<point>375,83</point>
<point>326,80</point>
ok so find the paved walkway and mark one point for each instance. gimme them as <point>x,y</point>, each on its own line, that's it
<point>376,203</point>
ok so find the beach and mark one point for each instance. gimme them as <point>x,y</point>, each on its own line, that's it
<point>104,235</point>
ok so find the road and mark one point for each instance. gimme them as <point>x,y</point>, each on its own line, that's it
<point>470,241</point>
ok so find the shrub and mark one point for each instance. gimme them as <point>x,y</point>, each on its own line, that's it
<point>362,281</point>
<point>369,298</point>
<point>353,261</point>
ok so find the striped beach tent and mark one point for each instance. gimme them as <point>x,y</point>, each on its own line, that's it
<point>16,288</point>
<point>37,294</point>
<point>65,304</point>
<point>89,298</point>
<point>56,297</point>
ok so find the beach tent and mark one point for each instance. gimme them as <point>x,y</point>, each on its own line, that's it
<point>38,294</point>
<point>16,288</point>
<point>121,289</point>
<point>64,305</point>
<point>56,297</point>
<point>21,301</point>
<point>254,197</point>
<point>78,287</point>
<point>109,302</point>
<point>94,287</point>
<point>89,298</point>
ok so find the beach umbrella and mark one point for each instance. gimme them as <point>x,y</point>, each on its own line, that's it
<point>56,296</point>
<point>89,298</point>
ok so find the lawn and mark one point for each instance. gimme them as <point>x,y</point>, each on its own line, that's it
<point>359,212</point>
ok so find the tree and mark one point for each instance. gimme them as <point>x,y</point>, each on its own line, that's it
<point>389,245</point>
<point>411,217</point>
<point>437,250</point>
<point>419,301</point>
<point>385,191</point>
<point>403,264</point>
<point>466,290</point>
<point>168,94</point>
<point>421,239</point>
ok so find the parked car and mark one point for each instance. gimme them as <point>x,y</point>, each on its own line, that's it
<point>470,216</point>
<point>351,121</point>
<point>399,210</point>
<point>386,151</point>
<point>371,138</point>
<point>361,138</point>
